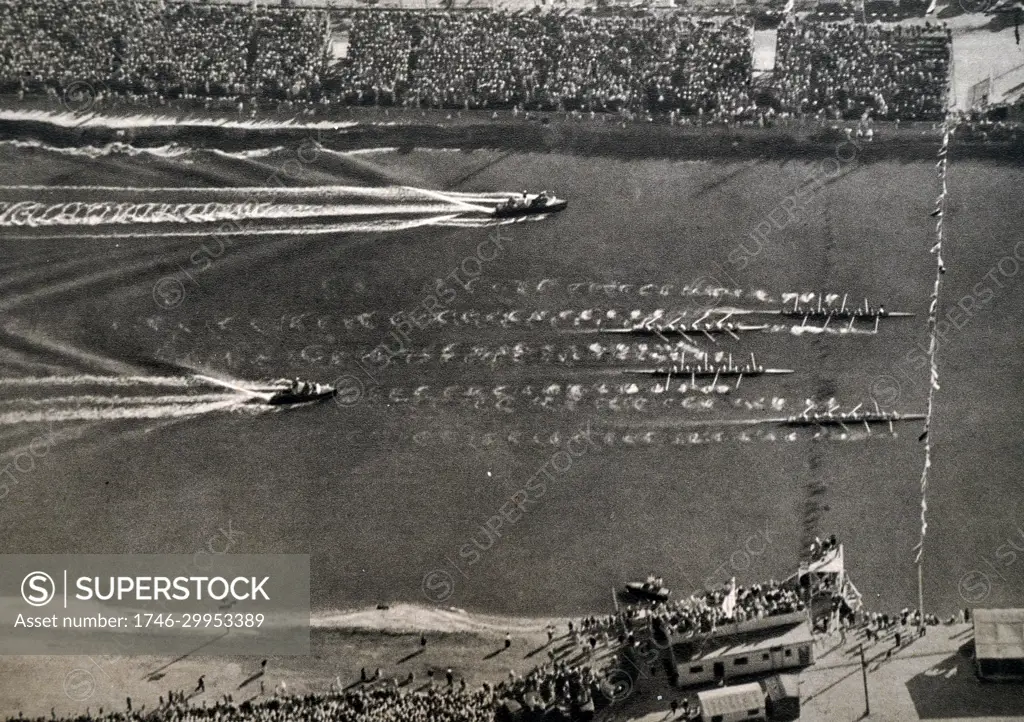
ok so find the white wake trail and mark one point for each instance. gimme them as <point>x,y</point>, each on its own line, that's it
<point>35,214</point>
<point>454,198</point>
<point>87,380</point>
<point>116,401</point>
<point>384,226</point>
<point>337,191</point>
<point>95,413</point>
<point>152,120</point>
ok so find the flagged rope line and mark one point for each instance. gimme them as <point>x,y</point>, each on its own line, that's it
<point>949,127</point>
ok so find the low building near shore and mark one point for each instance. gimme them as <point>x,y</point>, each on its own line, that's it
<point>776,699</point>
<point>999,644</point>
<point>720,659</point>
<point>783,697</point>
<point>732,704</point>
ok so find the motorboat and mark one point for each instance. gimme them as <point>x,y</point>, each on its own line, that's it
<point>302,392</point>
<point>530,204</point>
<point>653,589</point>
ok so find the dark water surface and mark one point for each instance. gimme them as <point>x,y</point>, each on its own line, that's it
<point>387,492</point>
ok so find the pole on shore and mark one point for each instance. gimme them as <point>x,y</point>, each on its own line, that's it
<point>920,591</point>
<point>615,601</point>
<point>864,674</point>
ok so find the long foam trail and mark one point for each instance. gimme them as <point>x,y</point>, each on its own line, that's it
<point>460,199</point>
<point>101,413</point>
<point>35,214</point>
<point>336,191</point>
<point>370,210</point>
<point>383,226</point>
<point>233,385</point>
<point>86,380</point>
<point>152,120</point>
<point>170,150</point>
<point>120,400</point>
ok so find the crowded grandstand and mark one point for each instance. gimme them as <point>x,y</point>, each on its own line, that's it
<point>659,65</point>
<point>663,66</point>
<point>587,661</point>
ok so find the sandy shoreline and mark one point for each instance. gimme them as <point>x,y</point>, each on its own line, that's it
<point>341,644</point>
<point>413,618</point>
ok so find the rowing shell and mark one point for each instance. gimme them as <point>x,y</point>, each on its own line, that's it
<point>701,371</point>
<point>842,420</point>
<point>682,330</point>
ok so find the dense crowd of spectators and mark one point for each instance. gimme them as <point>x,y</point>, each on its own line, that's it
<point>664,64</point>
<point>172,50</point>
<point>371,705</point>
<point>548,61</point>
<point>370,74</point>
<point>847,69</point>
<point>290,53</point>
<point>703,613</point>
<point>557,685</point>
<point>655,63</point>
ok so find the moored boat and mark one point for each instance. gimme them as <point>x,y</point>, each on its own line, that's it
<point>653,589</point>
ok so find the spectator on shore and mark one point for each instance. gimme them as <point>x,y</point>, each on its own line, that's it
<point>845,69</point>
